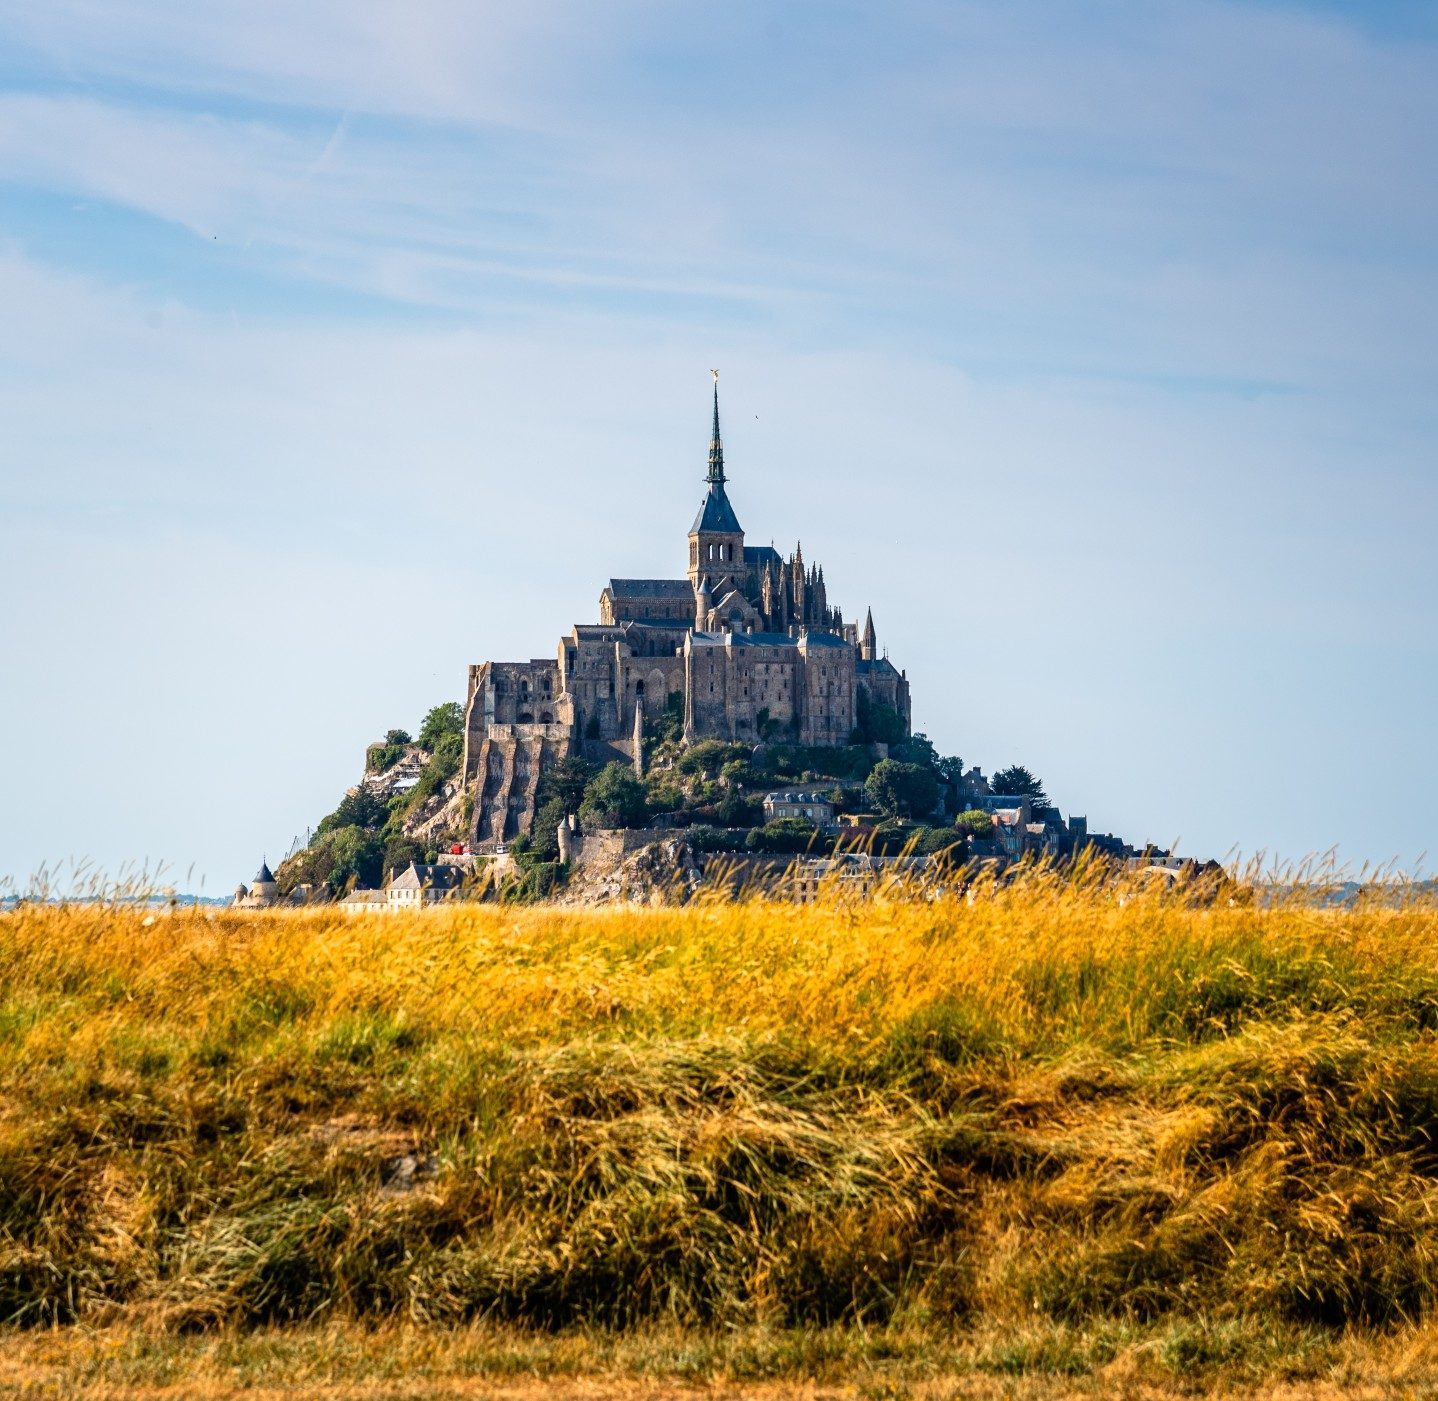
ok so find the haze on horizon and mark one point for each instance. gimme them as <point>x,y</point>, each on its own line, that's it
<point>349,344</point>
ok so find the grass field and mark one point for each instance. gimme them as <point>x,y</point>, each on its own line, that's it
<point>1056,1139</point>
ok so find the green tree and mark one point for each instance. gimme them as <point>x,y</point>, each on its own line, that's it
<point>446,719</point>
<point>399,851</point>
<point>362,808</point>
<point>879,722</point>
<point>975,823</point>
<point>902,790</point>
<point>916,749</point>
<point>396,737</point>
<point>1018,782</point>
<point>544,830</point>
<point>614,798</point>
<point>566,780</point>
<point>735,810</point>
<point>350,857</point>
<point>936,841</point>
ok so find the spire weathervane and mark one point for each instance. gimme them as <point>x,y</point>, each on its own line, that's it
<point>716,446</point>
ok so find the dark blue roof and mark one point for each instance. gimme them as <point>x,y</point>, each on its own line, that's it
<point>762,554</point>
<point>716,514</point>
<point>748,639</point>
<point>651,588</point>
<point>771,639</point>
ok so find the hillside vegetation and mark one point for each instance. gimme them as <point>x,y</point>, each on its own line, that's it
<point>1054,1132</point>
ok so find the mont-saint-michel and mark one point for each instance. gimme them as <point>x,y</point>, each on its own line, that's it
<point>735,709</point>
<point>746,647</point>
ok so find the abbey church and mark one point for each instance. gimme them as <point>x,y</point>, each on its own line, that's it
<point>747,646</point>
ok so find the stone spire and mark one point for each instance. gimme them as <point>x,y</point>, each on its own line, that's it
<point>867,647</point>
<point>716,443</point>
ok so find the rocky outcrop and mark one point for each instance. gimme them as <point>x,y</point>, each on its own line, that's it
<point>658,872</point>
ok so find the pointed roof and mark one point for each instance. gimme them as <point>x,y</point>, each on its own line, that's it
<point>264,873</point>
<point>716,515</point>
<point>716,444</point>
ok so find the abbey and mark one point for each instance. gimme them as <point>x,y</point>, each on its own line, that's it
<point>747,646</point>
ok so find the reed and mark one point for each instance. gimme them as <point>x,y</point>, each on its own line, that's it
<point>1038,1127</point>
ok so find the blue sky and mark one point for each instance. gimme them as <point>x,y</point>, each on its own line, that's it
<point>346,345</point>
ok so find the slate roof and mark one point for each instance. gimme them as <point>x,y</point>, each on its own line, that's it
<point>651,588</point>
<point>421,876</point>
<point>768,639</point>
<point>264,873</point>
<point>882,667</point>
<point>716,514</point>
<point>762,554</point>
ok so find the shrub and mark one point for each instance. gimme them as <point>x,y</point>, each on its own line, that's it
<point>707,758</point>
<point>443,720</point>
<point>384,757</point>
<point>782,835</point>
<point>704,838</point>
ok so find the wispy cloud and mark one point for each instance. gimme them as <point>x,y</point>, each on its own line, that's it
<point>1119,317</point>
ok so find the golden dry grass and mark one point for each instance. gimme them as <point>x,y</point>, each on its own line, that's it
<point>1056,1138</point>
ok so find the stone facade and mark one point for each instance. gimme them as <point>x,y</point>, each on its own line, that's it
<point>747,644</point>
